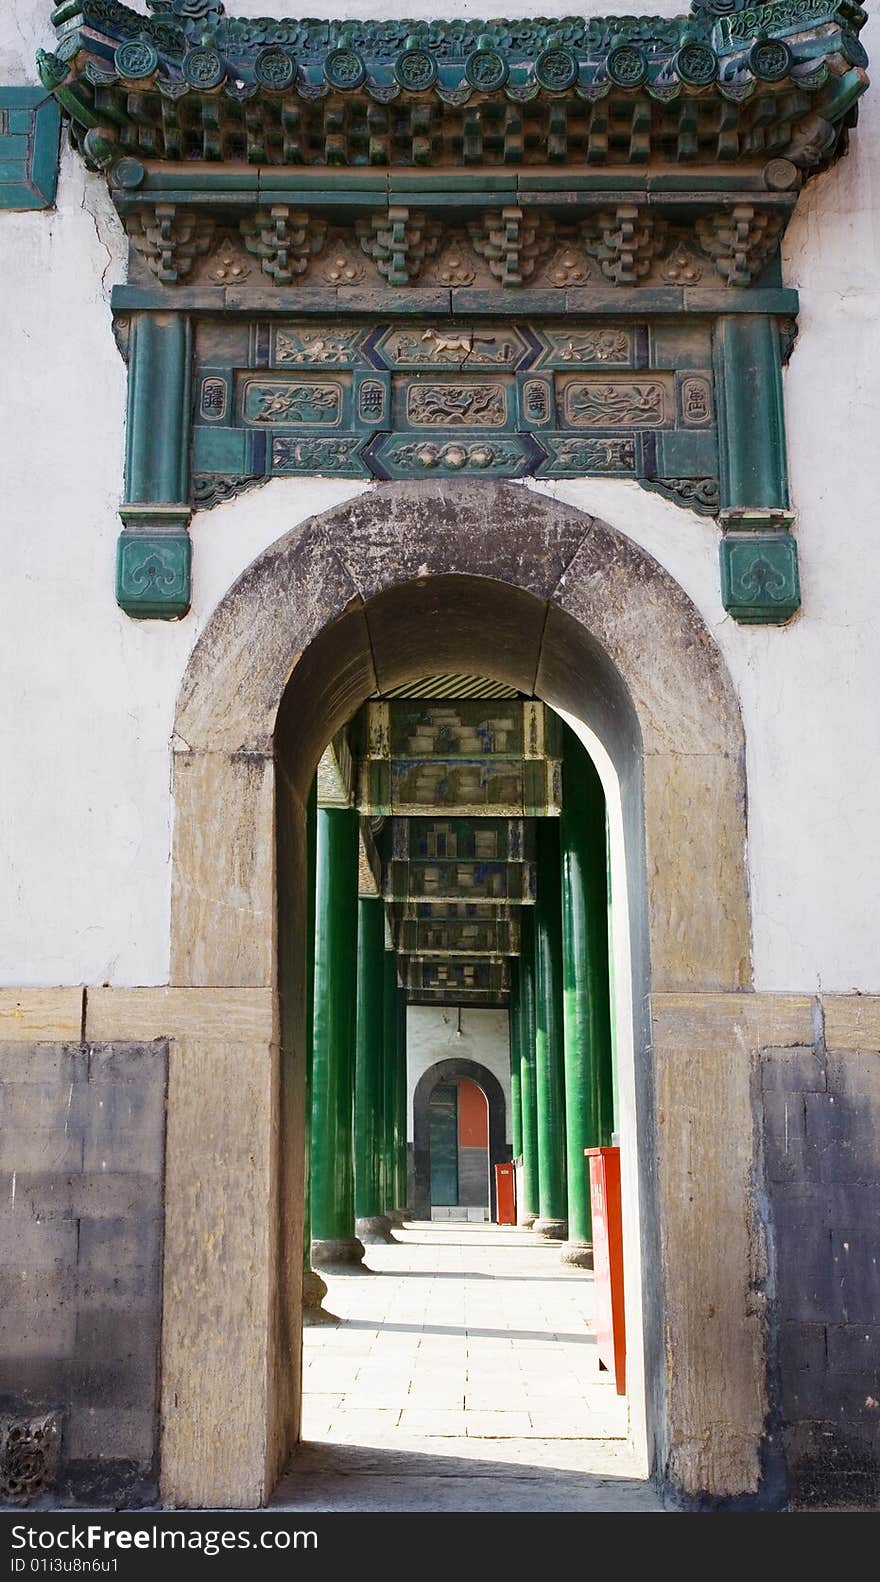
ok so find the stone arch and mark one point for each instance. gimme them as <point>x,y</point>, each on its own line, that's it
<point>454,1066</point>
<point>496,579</point>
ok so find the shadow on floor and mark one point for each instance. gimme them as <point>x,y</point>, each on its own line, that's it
<point>344,1477</point>
<point>476,1274</point>
<point>538,1335</point>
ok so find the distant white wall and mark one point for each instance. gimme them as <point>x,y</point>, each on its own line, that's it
<point>432,1035</point>
<point>87,696</point>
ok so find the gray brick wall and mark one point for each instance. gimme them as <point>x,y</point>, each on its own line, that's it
<point>822,1163</point>
<point>82,1144</point>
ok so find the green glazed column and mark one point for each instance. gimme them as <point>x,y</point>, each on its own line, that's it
<point>515,1039</point>
<point>587,1021</point>
<point>389,1084</point>
<point>334,1243</point>
<point>400,1152</point>
<point>371,1225</point>
<point>759,569</point>
<point>314,1289</point>
<point>527,1208</point>
<point>154,553</point>
<point>549,1050</point>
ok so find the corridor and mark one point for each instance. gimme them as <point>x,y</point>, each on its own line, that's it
<point>463,1376</point>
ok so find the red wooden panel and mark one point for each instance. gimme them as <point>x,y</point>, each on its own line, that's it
<point>608,1261</point>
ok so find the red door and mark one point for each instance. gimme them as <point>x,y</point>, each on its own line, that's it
<point>608,1261</point>
<point>505,1194</point>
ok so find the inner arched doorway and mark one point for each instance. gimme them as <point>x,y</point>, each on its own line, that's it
<point>447,1071</point>
<point>498,581</point>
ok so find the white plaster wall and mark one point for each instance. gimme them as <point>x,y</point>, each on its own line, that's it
<point>432,1035</point>
<point>87,696</point>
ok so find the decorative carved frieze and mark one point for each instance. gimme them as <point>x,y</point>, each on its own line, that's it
<point>169,239</point>
<point>285,240</point>
<point>567,267</point>
<point>455,265</point>
<point>681,266</point>
<point>512,243</point>
<point>342,266</point>
<point>702,495</point>
<point>510,247</point>
<point>322,345</point>
<point>494,458</point>
<point>227,265</point>
<point>452,405</point>
<point>210,489</point>
<point>399,241</point>
<point>740,241</point>
<point>578,458</point>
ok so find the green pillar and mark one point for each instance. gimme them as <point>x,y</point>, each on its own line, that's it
<point>154,552</point>
<point>549,1054</point>
<point>334,1243</point>
<point>587,1023</point>
<point>515,1037</point>
<point>400,1151</point>
<point>389,1083</point>
<point>371,1224</point>
<point>759,569</point>
<point>527,1204</point>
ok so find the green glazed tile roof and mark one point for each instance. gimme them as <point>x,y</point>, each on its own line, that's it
<point>724,84</point>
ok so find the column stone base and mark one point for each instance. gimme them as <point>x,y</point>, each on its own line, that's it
<point>550,1229</point>
<point>374,1229</point>
<point>526,1222</point>
<point>399,1217</point>
<point>578,1253</point>
<point>339,1255</point>
<point>314,1290</point>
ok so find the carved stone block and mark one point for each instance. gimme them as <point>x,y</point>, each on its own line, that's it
<point>285,240</point>
<point>153,574</point>
<point>759,577</point>
<point>399,241</point>
<point>29,1451</point>
<point>169,239</point>
<point>511,243</point>
<point>740,241</point>
<point>625,243</point>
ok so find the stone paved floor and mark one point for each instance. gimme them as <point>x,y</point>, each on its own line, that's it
<point>462,1376</point>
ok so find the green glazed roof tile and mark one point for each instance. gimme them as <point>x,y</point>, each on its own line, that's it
<point>725,83</point>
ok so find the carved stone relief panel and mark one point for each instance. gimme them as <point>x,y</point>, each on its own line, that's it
<point>442,398</point>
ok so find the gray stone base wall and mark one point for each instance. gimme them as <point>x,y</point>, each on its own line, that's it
<point>822,1164</point>
<point>473,1177</point>
<point>82,1142</point>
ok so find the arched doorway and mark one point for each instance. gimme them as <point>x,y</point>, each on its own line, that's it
<point>497,581</point>
<point>487,1082</point>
